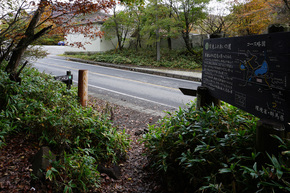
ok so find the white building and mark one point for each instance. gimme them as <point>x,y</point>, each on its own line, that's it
<point>95,44</point>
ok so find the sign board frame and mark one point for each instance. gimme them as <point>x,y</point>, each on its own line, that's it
<point>251,73</point>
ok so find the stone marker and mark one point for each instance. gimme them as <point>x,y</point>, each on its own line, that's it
<point>41,161</point>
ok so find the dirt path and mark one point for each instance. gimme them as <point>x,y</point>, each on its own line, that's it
<point>134,178</point>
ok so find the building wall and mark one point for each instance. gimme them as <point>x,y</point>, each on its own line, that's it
<point>106,45</point>
<point>91,45</point>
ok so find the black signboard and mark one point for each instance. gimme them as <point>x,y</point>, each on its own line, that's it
<point>63,78</point>
<point>251,72</point>
<point>68,79</point>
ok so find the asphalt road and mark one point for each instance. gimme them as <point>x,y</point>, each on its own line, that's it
<point>139,91</point>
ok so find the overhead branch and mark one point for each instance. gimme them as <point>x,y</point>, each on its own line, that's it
<point>16,18</point>
<point>41,32</point>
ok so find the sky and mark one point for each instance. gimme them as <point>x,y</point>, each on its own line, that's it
<point>219,7</point>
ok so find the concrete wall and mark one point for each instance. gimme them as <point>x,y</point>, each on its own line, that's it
<point>178,43</point>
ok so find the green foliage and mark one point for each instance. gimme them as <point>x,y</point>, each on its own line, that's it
<point>34,53</point>
<point>213,151</point>
<point>45,108</point>
<point>75,171</point>
<point>159,17</point>
<point>49,39</point>
<point>147,57</point>
<point>120,26</point>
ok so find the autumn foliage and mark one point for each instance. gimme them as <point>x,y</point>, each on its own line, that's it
<point>30,21</point>
<point>254,16</point>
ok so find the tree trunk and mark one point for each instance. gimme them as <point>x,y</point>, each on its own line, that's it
<point>14,61</point>
<point>25,41</point>
<point>185,34</point>
<point>157,35</point>
<point>169,43</point>
<point>188,45</point>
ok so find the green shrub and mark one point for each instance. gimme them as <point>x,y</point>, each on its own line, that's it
<point>45,108</point>
<point>75,171</point>
<point>212,151</point>
<point>7,111</point>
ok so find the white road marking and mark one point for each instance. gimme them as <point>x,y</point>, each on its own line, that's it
<point>128,95</point>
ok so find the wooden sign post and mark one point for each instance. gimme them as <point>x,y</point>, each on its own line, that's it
<point>67,79</point>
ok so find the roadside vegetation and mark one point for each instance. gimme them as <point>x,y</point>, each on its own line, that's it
<point>173,59</point>
<point>210,150</point>
<point>213,150</point>
<point>81,137</point>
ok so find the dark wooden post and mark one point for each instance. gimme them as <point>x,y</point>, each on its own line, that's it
<point>204,98</point>
<point>69,83</point>
<point>266,128</point>
<point>264,141</point>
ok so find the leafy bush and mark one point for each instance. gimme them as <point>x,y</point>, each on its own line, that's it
<point>213,151</point>
<point>177,59</point>
<point>75,171</point>
<point>81,136</point>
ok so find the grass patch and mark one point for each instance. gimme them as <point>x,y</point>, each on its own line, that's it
<point>173,59</point>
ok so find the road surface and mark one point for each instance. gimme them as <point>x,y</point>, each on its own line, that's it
<point>139,91</point>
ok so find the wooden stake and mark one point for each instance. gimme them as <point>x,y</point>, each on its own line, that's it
<point>83,87</point>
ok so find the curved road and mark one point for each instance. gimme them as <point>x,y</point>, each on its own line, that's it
<point>139,91</point>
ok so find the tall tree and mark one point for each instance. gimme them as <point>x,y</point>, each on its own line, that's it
<point>138,18</point>
<point>120,25</point>
<point>168,27</point>
<point>218,21</point>
<point>23,22</point>
<point>187,13</point>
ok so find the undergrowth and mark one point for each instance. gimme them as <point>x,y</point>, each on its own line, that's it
<point>213,150</point>
<point>82,137</point>
<point>174,59</point>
